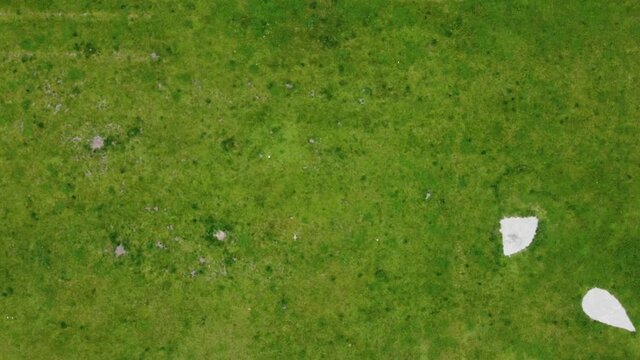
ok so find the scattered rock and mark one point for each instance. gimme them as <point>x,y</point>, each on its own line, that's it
<point>97,143</point>
<point>202,260</point>
<point>601,306</point>
<point>160,245</point>
<point>517,233</point>
<point>120,251</point>
<point>220,235</point>
<point>154,56</point>
<point>193,273</point>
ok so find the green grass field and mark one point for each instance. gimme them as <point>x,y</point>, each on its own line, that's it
<point>311,133</point>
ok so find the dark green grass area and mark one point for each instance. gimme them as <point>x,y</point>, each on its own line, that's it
<point>327,121</point>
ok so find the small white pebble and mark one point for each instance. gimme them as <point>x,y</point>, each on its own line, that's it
<point>295,236</point>
<point>97,143</point>
<point>427,196</point>
<point>312,141</point>
<point>288,85</point>
<point>193,273</point>
<point>154,56</point>
<point>361,101</point>
<point>202,260</point>
<point>160,245</point>
<point>120,251</point>
<point>220,235</point>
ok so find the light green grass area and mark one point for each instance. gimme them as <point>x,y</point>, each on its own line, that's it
<point>311,132</point>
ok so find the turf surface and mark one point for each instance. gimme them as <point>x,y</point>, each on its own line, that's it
<point>312,132</point>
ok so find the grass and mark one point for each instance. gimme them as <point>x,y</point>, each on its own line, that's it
<point>330,121</point>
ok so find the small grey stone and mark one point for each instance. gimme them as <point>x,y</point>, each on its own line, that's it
<point>220,235</point>
<point>97,143</point>
<point>120,251</point>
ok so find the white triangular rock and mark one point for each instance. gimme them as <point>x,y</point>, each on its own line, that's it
<point>601,306</point>
<point>517,233</point>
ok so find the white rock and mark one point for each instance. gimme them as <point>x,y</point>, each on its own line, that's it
<point>120,251</point>
<point>220,235</point>
<point>601,306</point>
<point>97,143</point>
<point>517,233</point>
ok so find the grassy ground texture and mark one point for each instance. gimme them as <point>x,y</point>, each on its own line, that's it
<point>311,133</point>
